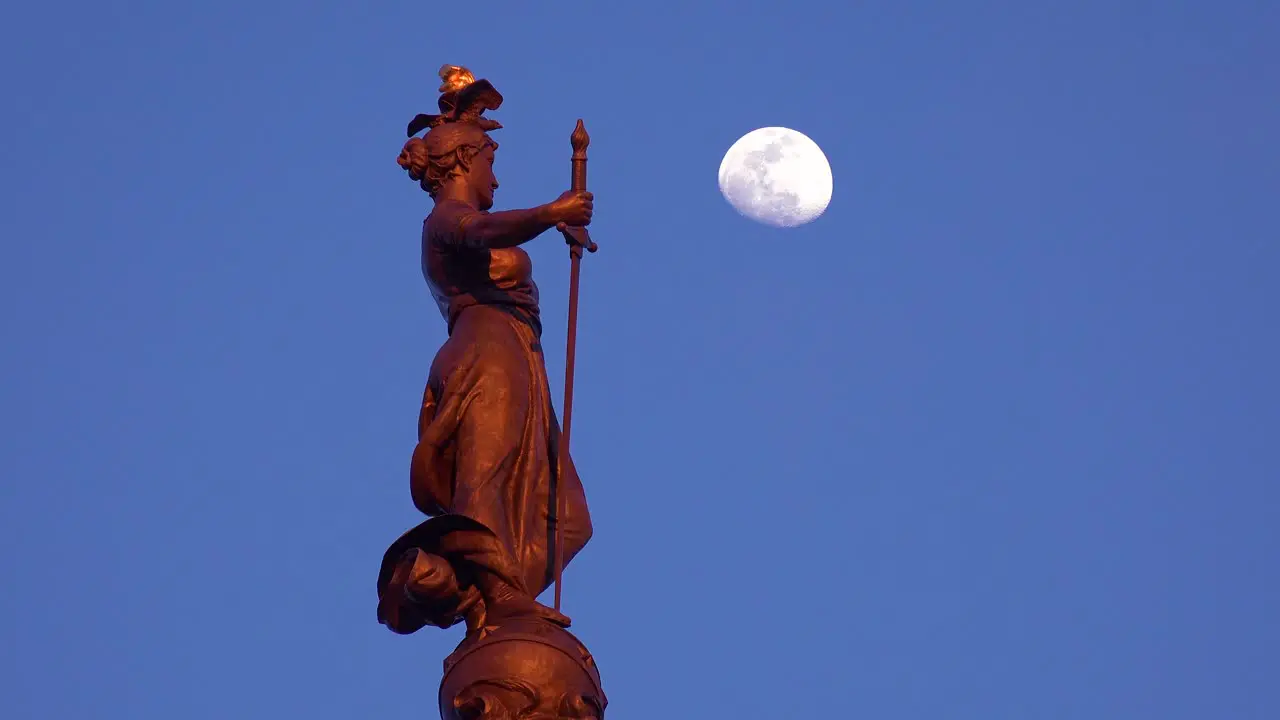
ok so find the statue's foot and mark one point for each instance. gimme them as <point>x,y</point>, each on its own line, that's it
<point>504,602</point>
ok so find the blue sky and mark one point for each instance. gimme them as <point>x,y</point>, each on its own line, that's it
<point>993,438</point>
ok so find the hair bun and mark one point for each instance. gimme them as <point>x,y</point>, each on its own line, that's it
<point>413,158</point>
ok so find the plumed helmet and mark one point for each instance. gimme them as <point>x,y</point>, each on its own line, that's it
<point>463,100</point>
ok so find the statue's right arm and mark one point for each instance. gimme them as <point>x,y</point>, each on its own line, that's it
<point>505,229</point>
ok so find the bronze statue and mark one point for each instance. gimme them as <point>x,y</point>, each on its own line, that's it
<point>491,468</point>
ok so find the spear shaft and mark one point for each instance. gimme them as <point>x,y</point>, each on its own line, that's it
<point>578,240</point>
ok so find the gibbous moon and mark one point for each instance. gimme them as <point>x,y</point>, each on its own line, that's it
<point>776,176</point>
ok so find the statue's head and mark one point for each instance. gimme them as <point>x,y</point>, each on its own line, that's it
<point>457,147</point>
<point>453,153</point>
<point>527,670</point>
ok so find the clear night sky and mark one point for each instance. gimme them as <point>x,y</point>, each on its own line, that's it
<point>996,437</point>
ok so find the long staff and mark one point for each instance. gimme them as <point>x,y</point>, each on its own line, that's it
<point>578,240</point>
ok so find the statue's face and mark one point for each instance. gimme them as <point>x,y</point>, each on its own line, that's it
<point>481,179</point>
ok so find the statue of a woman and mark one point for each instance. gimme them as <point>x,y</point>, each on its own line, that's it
<point>485,467</point>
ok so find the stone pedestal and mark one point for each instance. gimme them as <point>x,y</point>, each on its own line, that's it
<point>526,668</point>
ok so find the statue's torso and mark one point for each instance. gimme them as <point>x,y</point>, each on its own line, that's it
<point>460,276</point>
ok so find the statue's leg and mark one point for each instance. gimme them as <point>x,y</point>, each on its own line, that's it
<point>502,475</point>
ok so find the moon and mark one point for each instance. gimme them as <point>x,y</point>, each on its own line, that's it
<point>776,176</point>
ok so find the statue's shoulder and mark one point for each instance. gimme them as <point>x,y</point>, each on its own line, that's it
<point>445,222</point>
